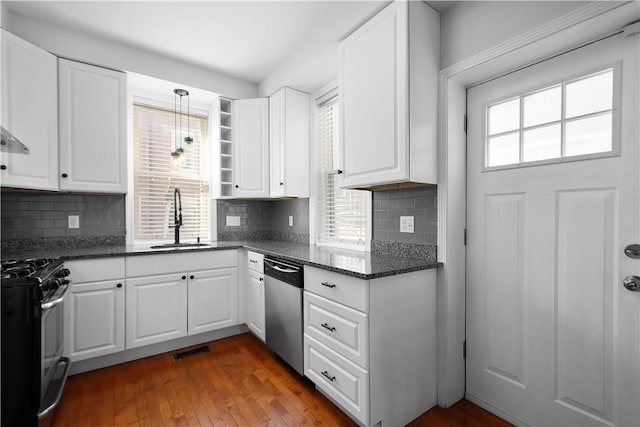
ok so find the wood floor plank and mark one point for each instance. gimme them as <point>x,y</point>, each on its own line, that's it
<point>238,383</point>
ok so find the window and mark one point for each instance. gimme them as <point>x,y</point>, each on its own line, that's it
<point>341,216</point>
<point>156,174</point>
<point>562,121</point>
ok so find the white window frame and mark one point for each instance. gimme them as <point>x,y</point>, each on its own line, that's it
<point>166,101</point>
<point>615,120</point>
<point>318,94</point>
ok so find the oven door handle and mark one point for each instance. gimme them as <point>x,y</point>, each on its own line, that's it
<point>52,401</point>
<point>58,297</point>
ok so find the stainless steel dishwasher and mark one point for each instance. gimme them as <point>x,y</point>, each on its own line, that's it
<point>284,281</point>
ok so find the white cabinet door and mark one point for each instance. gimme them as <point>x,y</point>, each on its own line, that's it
<point>251,147</point>
<point>93,127</point>
<point>213,300</point>
<point>156,309</point>
<point>255,304</point>
<point>374,100</point>
<point>289,143</point>
<point>30,113</point>
<point>94,314</point>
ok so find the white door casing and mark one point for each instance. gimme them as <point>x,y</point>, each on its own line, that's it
<point>552,334</point>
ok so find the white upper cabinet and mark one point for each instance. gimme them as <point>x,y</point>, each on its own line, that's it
<point>289,143</point>
<point>93,129</point>
<point>388,84</point>
<point>30,113</point>
<point>250,118</point>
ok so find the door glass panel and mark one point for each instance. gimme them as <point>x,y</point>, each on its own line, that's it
<point>541,143</point>
<point>503,150</point>
<point>543,107</point>
<point>590,135</point>
<point>590,95</point>
<point>504,117</point>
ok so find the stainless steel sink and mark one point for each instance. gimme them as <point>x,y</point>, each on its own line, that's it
<point>179,245</point>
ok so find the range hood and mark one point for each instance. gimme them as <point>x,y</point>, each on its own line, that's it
<point>11,144</point>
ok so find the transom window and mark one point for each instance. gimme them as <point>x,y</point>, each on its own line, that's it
<point>568,120</point>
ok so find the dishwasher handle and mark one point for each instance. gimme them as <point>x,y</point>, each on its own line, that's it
<point>276,265</point>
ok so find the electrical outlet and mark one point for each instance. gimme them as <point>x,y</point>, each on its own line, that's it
<point>74,221</point>
<point>406,224</point>
<point>290,220</point>
<point>233,221</point>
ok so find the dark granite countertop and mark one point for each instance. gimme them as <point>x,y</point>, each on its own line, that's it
<point>363,265</point>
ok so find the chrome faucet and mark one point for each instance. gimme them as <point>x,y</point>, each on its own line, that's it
<point>177,214</point>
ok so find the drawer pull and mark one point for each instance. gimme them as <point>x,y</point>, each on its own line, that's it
<point>326,326</point>
<point>329,377</point>
<point>328,285</point>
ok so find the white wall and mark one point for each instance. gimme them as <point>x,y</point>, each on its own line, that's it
<point>81,47</point>
<point>4,15</point>
<point>470,27</point>
<point>313,64</point>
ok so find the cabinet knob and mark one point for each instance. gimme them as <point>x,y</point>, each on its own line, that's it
<point>119,285</point>
<point>237,186</point>
<point>64,175</point>
<point>282,183</point>
<point>3,167</point>
<point>184,277</point>
<point>261,279</point>
<point>192,277</point>
<point>339,172</point>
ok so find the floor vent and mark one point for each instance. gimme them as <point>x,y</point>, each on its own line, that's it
<point>183,354</point>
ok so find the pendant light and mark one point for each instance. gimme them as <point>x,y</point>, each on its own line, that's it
<point>177,115</point>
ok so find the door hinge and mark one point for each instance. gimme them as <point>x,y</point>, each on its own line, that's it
<point>464,349</point>
<point>465,123</point>
<point>465,237</point>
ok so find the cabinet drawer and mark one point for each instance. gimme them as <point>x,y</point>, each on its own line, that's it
<point>255,261</point>
<point>346,383</point>
<point>340,328</point>
<point>147,265</point>
<point>95,270</point>
<point>346,290</point>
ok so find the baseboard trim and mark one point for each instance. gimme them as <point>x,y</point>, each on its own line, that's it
<point>153,349</point>
<point>495,411</point>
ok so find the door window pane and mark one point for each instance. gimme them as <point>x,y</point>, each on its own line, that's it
<point>503,150</point>
<point>543,107</point>
<point>590,135</point>
<point>541,143</point>
<point>590,95</point>
<point>504,117</point>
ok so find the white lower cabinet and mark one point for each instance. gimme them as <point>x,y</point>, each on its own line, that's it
<point>94,308</point>
<point>156,309</point>
<point>255,304</point>
<point>370,345</point>
<point>213,300</point>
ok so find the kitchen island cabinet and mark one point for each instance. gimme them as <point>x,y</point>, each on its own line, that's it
<point>165,304</point>
<point>388,84</point>
<point>370,345</point>
<point>30,113</point>
<point>94,309</point>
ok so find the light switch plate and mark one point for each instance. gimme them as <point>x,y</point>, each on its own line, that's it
<point>233,221</point>
<point>74,221</point>
<point>406,224</point>
<point>290,220</point>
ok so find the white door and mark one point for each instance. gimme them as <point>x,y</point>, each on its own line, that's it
<point>552,335</point>
<point>93,128</point>
<point>255,310</point>
<point>251,147</point>
<point>156,309</point>
<point>213,300</point>
<point>95,315</point>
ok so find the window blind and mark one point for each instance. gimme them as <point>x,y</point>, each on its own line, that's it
<point>341,213</point>
<point>157,174</point>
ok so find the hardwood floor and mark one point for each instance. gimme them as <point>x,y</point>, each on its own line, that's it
<point>238,383</point>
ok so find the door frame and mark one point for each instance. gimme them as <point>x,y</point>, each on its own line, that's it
<point>581,26</point>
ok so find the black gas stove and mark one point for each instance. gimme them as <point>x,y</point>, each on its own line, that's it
<point>33,367</point>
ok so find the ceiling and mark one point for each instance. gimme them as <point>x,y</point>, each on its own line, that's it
<point>248,40</point>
